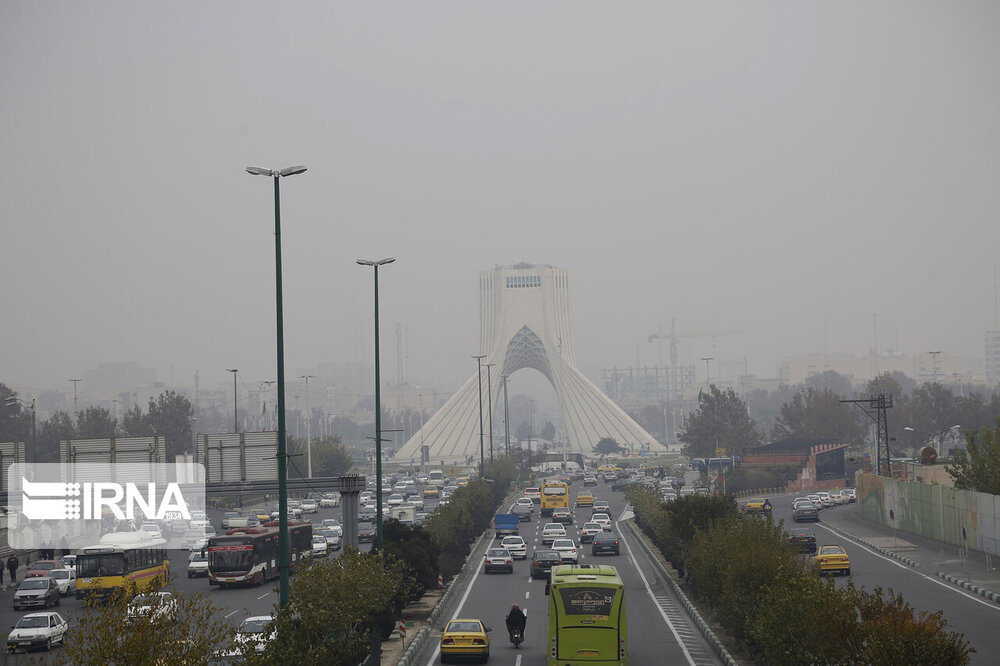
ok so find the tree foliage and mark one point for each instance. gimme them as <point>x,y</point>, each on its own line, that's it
<point>978,466</point>
<point>721,422</point>
<point>608,447</point>
<point>104,634</point>
<point>814,414</point>
<point>96,423</point>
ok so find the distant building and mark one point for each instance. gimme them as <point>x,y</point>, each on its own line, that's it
<point>942,367</point>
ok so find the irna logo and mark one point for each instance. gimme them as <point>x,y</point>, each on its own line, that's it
<point>86,501</point>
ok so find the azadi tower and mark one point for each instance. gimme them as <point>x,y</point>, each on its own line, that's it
<point>525,322</point>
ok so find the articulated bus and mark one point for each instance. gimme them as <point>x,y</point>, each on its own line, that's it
<point>121,560</point>
<point>587,623</point>
<point>554,496</point>
<point>249,555</point>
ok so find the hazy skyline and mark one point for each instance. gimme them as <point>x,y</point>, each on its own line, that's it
<point>786,169</point>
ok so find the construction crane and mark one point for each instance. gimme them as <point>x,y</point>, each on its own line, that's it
<point>675,339</point>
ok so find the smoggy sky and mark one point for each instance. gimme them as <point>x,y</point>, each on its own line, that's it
<point>788,169</point>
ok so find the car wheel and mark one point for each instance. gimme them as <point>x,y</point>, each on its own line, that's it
<point>848,572</point>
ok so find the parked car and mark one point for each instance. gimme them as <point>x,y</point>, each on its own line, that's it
<point>802,539</point>
<point>552,531</point>
<point>542,561</point>
<point>65,578</point>
<point>37,630</point>
<point>566,549</point>
<point>588,531</point>
<point>498,559</point>
<point>37,592</point>
<point>41,568</point>
<point>832,559</point>
<point>606,542</point>
<point>197,564</point>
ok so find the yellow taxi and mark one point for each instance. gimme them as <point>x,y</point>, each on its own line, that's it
<point>431,492</point>
<point>831,559</point>
<point>585,498</point>
<point>463,480</point>
<point>758,505</point>
<point>264,517</point>
<point>465,638</point>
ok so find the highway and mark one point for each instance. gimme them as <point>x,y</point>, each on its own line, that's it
<point>971,615</point>
<point>659,630</point>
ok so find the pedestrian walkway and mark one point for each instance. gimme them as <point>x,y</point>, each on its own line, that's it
<point>976,571</point>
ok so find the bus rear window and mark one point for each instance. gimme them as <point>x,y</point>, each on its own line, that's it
<point>587,600</point>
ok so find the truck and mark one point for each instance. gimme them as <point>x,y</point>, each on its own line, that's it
<point>404,514</point>
<point>506,524</point>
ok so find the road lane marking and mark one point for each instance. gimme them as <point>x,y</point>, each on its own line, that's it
<point>527,594</point>
<point>517,662</point>
<point>458,611</point>
<point>652,596</point>
<point>233,613</point>
<point>906,567</point>
<point>262,596</point>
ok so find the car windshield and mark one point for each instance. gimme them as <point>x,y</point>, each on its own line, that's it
<point>43,566</point>
<point>563,543</point>
<point>254,625</point>
<point>592,526</point>
<point>497,552</point>
<point>34,584</point>
<point>150,599</point>
<point>198,557</point>
<point>33,622</point>
<point>554,526</point>
<point>831,550</point>
<point>547,556</point>
<point>58,574</point>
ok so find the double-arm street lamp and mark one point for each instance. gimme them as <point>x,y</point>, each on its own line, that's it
<point>936,436</point>
<point>375,263</point>
<point>236,427</point>
<point>283,554</point>
<point>14,400</point>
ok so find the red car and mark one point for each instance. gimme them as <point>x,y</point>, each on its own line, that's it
<point>41,568</point>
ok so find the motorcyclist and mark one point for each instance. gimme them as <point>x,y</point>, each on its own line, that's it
<point>516,619</point>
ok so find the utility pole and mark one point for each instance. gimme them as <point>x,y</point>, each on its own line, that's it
<point>506,416</point>
<point>489,387</point>
<point>309,450</point>
<point>482,463</point>
<point>75,382</point>
<point>236,426</point>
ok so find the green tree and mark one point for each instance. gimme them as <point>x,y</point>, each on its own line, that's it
<point>548,431</point>
<point>721,422</point>
<point>57,428</point>
<point>978,466</point>
<point>524,432</point>
<point>333,608</point>
<point>135,423</point>
<point>190,635</point>
<point>96,423</point>
<point>818,415</point>
<point>170,417</point>
<point>415,547</point>
<point>329,456</point>
<point>608,447</point>
<point>831,381</point>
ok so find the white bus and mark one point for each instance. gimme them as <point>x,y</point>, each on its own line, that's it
<point>435,478</point>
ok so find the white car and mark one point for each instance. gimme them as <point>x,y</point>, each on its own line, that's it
<point>309,506</point>
<point>255,630</point>
<point>334,525</point>
<point>332,538</point>
<point>68,561</point>
<point>525,501</point>
<point>197,564</point>
<point>66,578</point>
<point>399,488</point>
<point>588,531</point>
<point>815,499</point>
<point>151,528</point>
<point>566,549</point>
<point>330,500</point>
<point>553,531</point>
<point>320,546</point>
<point>416,499</point>
<point>396,499</point>
<point>36,630</point>
<point>839,497</point>
<point>825,498</point>
<point>516,547</point>
<point>603,519</point>
<point>153,605</point>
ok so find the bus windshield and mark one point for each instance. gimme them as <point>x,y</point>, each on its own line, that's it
<point>231,560</point>
<point>89,566</point>
<point>587,616</point>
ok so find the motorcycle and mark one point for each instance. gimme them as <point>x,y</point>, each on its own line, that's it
<point>516,637</point>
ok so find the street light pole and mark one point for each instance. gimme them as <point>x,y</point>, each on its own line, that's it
<point>378,407</point>
<point>506,416</point>
<point>708,377</point>
<point>284,562</point>
<point>489,396</point>
<point>309,450</point>
<point>236,426</point>
<point>482,462</point>
<point>75,382</point>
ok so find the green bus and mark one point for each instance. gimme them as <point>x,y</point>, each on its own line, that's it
<point>587,623</point>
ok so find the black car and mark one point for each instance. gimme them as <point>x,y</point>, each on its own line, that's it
<point>366,532</point>
<point>542,561</point>
<point>802,539</point>
<point>37,593</point>
<point>606,542</point>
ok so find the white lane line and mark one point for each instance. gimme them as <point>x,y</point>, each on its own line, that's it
<point>517,662</point>
<point>233,613</point>
<point>652,596</point>
<point>527,594</point>
<point>906,567</point>
<point>262,596</point>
